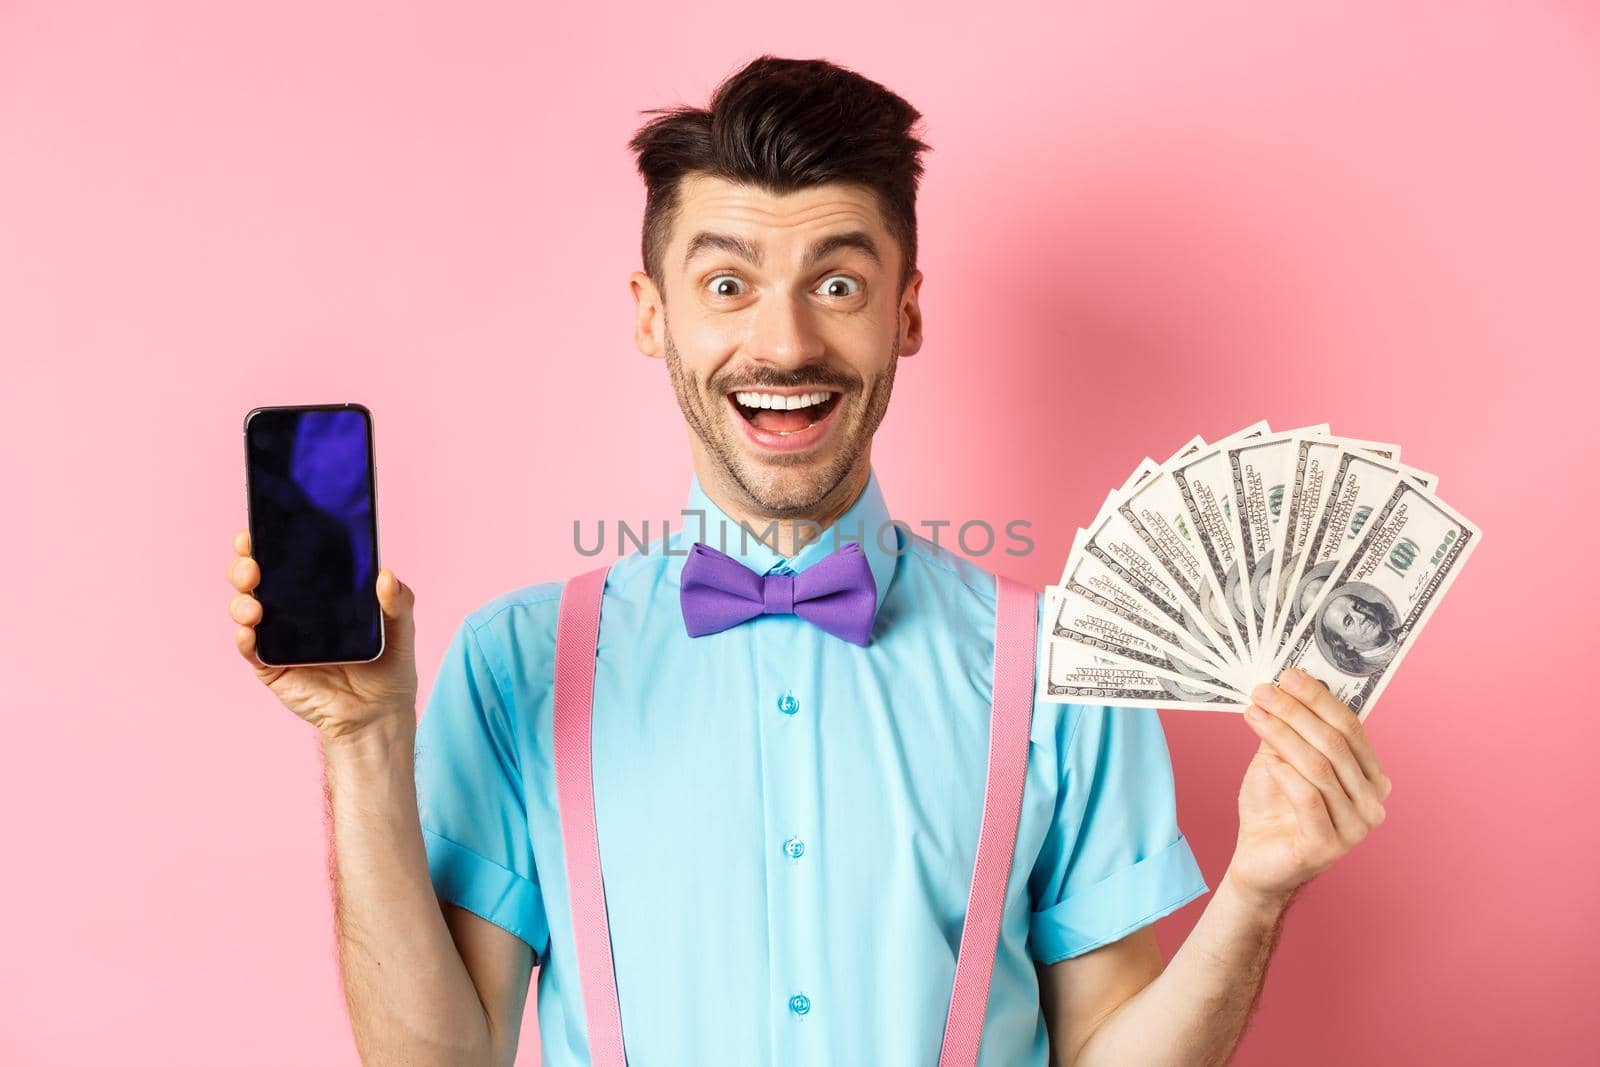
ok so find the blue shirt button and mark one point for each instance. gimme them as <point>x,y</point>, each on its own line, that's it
<point>794,848</point>
<point>799,1003</point>
<point>788,704</point>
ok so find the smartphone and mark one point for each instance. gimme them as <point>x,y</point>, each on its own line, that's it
<point>312,494</point>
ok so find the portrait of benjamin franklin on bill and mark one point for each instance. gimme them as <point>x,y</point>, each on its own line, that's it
<point>1356,629</point>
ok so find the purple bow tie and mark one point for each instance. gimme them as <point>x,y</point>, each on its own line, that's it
<point>836,593</point>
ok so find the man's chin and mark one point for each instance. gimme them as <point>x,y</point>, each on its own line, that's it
<point>787,483</point>
<point>786,465</point>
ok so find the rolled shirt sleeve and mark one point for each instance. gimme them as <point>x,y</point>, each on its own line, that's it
<point>470,795</point>
<point>1113,859</point>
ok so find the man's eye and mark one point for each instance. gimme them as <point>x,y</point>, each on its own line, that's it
<point>830,285</point>
<point>721,283</point>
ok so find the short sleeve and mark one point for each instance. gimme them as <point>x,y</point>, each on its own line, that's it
<point>1113,859</point>
<point>470,796</point>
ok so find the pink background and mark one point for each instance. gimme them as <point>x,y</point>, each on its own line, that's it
<point>1140,221</point>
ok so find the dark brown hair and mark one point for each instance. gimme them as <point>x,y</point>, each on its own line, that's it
<point>782,125</point>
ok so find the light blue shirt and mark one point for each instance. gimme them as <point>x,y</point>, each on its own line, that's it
<point>788,821</point>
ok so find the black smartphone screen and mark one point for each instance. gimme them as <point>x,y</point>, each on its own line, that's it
<point>311,489</point>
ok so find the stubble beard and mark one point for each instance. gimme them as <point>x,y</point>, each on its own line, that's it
<point>767,486</point>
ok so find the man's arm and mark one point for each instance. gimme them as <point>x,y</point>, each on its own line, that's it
<point>1079,993</point>
<point>411,997</point>
<point>419,991</point>
<point>1116,1004</point>
<point>1312,792</point>
<point>501,965</point>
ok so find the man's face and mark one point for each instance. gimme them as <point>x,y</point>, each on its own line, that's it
<point>1354,622</point>
<point>781,324</point>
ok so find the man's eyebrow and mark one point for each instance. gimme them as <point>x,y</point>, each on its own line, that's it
<point>852,239</point>
<point>705,241</point>
<point>747,250</point>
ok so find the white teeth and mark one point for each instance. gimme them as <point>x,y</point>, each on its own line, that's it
<point>782,403</point>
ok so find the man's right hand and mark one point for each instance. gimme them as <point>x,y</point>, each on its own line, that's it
<point>341,700</point>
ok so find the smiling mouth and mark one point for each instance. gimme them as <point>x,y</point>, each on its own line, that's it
<point>781,413</point>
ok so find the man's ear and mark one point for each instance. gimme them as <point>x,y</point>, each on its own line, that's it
<point>911,315</point>
<point>649,319</point>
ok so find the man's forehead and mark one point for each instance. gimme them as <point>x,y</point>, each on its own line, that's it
<point>709,202</point>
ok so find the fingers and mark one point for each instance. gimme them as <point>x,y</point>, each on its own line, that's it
<point>245,610</point>
<point>1333,746</point>
<point>1309,810</point>
<point>395,598</point>
<point>243,571</point>
<point>1320,699</point>
<point>1316,768</point>
<point>244,638</point>
<point>244,574</point>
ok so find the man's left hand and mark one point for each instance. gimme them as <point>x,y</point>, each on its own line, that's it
<point>1313,791</point>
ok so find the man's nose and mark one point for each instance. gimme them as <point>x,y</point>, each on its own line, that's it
<point>785,332</point>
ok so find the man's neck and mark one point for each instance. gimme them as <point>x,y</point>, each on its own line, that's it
<point>789,532</point>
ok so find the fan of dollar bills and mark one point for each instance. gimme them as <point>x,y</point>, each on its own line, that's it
<point>1210,573</point>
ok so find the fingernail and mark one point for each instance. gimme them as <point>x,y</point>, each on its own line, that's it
<point>1253,713</point>
<point>1288,674</point>
<point>1262,692</point>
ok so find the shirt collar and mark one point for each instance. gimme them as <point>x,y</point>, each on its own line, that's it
<point>865,521</point>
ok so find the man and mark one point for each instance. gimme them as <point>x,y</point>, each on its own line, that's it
<point>788,819</point>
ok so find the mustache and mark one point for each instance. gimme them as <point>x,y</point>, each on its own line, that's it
<point>774,380</point>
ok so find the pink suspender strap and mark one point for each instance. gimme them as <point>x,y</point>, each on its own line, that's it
<point>577,630</point>
<point>1010,719</point>
<point>1010,722</point>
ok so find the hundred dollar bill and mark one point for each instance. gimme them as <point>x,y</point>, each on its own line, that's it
<point>1154,604</point>
<point>1081,611</point>
<point>1154,516</point>
<point>1110,542</point>
<point>1075,554</point>
<point>1104,648</point>
<point>1184,610</point>
<point>1258,470</point>
<point>1205,483</point>
<point>1206,489</point>
<point>1372,606</point>
<point>1311,462</point>
<point>1359,485</point>
<point>1140,474</point>
<point>1073,676</point>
